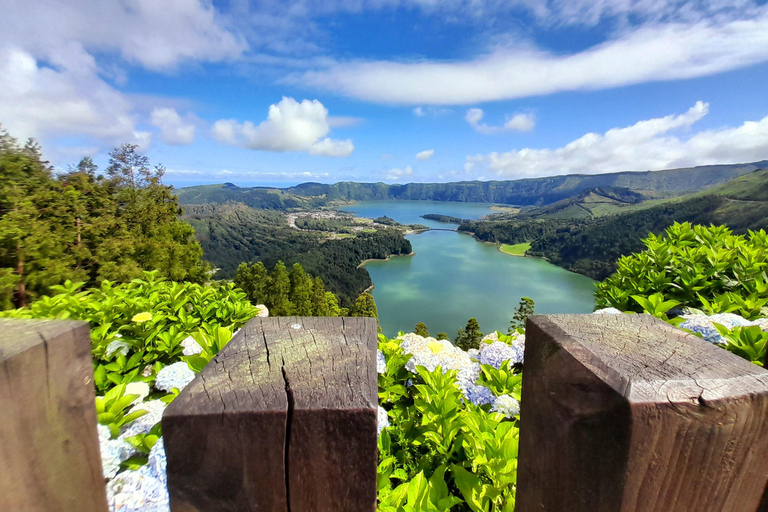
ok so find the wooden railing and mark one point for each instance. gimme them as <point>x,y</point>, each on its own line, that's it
<point>49,447</point>
<point>620,413</point>
<point>625,413</point>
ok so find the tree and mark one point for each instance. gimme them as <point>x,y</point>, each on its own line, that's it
<point>524,310</point>
<point>365,306</point>
<point>279,289</point>
<point>470,336</point>
<point>254,281</point>
<point>320,305</point>
<point>129,169</point>
<point>421,329</point>
<point>301,291</point>
<point>442,336</point>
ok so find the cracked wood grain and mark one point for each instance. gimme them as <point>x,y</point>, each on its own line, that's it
<point>282,419</point>
<point>625,413</point>
<point>49,445</point>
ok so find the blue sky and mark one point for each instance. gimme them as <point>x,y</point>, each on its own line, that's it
<point>280,92</point>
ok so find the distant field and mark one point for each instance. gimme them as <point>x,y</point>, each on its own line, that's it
<point>515,250</point>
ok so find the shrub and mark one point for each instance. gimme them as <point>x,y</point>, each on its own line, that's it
<point>701,267</point>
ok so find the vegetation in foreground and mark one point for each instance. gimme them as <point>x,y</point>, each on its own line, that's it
<point>450,417</point>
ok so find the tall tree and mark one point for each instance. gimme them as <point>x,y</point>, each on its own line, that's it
<point>279,290</point>
<point>301,291</point>
<point>320,305</point>
<point>365,306</point>
<point>470,336</point>
<point>421,329</point>
<point>524,309</point>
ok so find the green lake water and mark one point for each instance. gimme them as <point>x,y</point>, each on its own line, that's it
<point>453,277</point>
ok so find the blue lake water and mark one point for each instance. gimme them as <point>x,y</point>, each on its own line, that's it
<point>453,277</point>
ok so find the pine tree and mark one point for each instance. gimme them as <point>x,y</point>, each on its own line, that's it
<point>301,291</point>
<point>320,305</point>
<point>333,305</point>
<point>442,336</point>
<point>365,306</point>
<point>421,329</point>
<point>524,310</point>
<point>278,291</point>
<point>470,336</point>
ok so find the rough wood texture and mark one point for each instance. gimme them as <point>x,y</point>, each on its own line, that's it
<point>625,413</point>
<point>282,419</point>
<point>49,447</point>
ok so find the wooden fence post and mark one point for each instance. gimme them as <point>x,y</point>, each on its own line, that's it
<point>283,419</point>
<point>625,413</point>
<point>49,446</point>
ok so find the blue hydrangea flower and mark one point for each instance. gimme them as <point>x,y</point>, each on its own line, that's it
<point>479,395</point>
<point>382,420</point>
<point>702,325</point>
<point>137,491</point>
<point>498,352</point>
<point>176,375</point>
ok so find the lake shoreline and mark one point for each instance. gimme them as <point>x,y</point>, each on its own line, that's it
<point>412,253</point>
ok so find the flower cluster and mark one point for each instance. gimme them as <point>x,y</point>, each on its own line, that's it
<point>144,424</point>
<point>138,491</point>
<point>506,405</point>
<point>382,420</point>
<point>497,352</point>
<point>176,375</point>
<point>191,347</point>
<point>381,362</point>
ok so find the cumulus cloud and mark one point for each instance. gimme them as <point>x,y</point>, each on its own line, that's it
<point>64,97</point>
<point>648,53</point>
<point>646,145</point>
<point>290,126</point>
<point>516,123</point>
<point>397,173</point>
<point>425,155</point>
<point>174,130</point>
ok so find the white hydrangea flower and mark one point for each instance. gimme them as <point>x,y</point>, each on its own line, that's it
<point>263,311</point>
<point>118,347</point>
<point>138,388</point>
<point>137,491</point>
<point>176,375</point>
<point>730,320</point>
<point>191,347</point>
<point>490,338</point>
<point>113,452</point>
<point>145,423</point>
<point>157,461</point>
<point>382,420</point>
<point>608,311</point>
<point>381,362</point>
<point>506,405</point>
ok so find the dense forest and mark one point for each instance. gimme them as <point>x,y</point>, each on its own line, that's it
<point>234,233</point>
<point>534,191</point>
<point>87,227</point>
<point>592,246</point>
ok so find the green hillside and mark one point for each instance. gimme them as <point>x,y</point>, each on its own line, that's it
<point>527,192</point>
<point>593,247</point>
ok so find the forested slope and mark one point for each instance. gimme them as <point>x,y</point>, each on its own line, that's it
<point>233,233</point>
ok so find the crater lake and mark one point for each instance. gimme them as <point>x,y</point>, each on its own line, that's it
<point>453,277</point>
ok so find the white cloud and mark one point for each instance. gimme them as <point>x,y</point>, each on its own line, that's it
<point>173,129</point>
<point>425,155</point>
<point>157,35</point>
<point>64,97</point>
<point>290,126</point>
<point>516,123</point>
<point>645,145</point>
<point>330,147</point>
<point>652,52</point>
<point>418,111</point>
<point>397,173</point>
<point>431,111</point>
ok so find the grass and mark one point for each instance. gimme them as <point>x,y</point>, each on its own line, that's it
<point>515,250</point>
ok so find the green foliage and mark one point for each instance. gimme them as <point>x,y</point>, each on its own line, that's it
<point>524,309</point>
<point>504,381</point>
<point>138,327</point>
<point>211,338</point>
<point>442,336</point>
<point>701,267</point>
<point>365,306</point>
<point>470,336</point>
<point>111,409</point>
<point>747,342</point>
<point>441,452</point>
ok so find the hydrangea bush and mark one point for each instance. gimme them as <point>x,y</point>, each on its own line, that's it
<point>450,435</point>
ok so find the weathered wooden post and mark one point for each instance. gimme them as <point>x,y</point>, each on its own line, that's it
<point>625,413</point>
<point>49,447</point>
<point>283,419</point>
